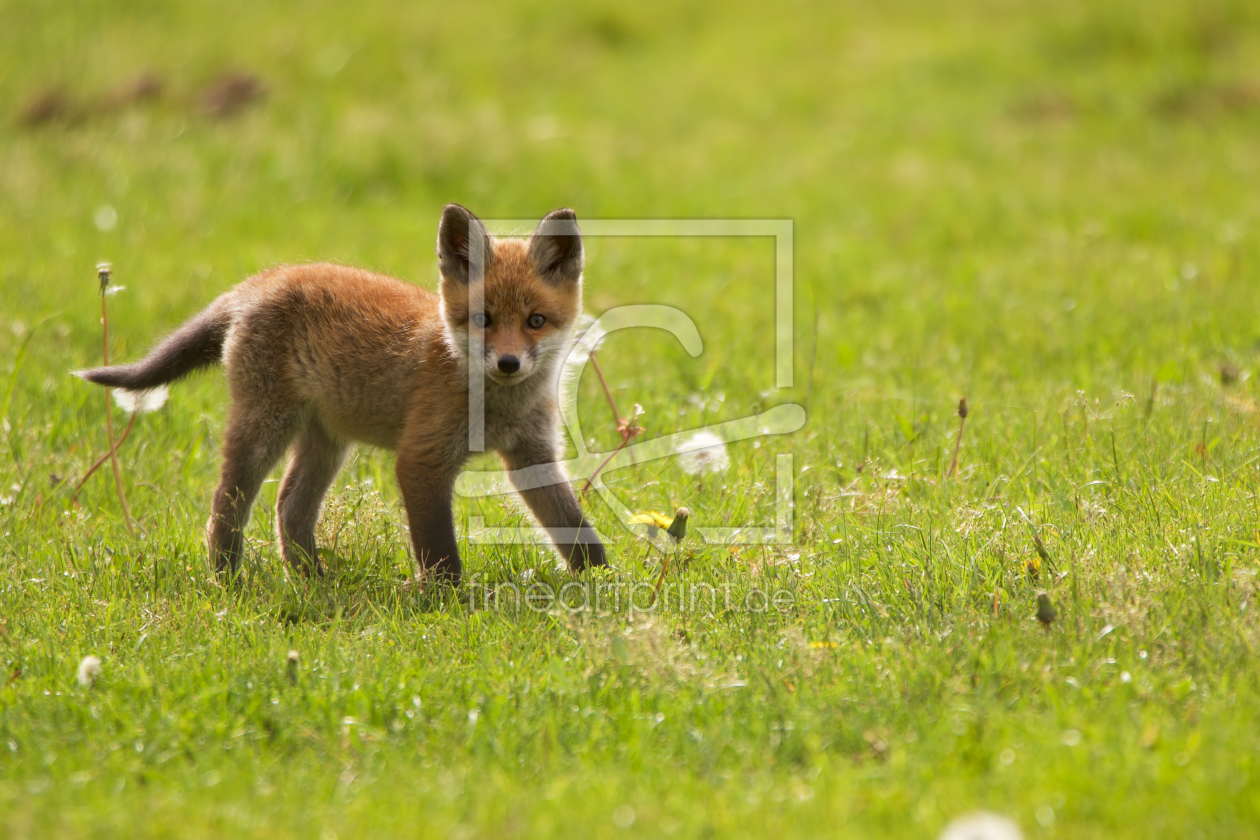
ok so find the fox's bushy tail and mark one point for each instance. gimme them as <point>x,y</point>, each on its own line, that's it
<point>197,344</point>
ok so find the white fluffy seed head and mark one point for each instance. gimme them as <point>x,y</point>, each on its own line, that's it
<point>89,671</point>
<point>141,402</point>
<point>982,825</point>
<point>703,452</point>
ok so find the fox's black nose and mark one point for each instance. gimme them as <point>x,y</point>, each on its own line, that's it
<point>509,364</point>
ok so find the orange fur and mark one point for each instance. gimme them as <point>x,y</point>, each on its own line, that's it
<point>320,356</point>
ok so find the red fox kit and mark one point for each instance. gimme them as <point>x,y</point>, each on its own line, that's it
<point>319,356</point>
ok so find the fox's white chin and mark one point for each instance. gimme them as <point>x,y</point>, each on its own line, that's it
<point>507,379</point>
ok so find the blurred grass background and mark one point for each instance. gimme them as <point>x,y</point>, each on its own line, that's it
<point>1048,208</point>
<point>985,177</point>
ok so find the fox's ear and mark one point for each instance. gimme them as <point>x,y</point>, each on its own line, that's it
<point>556,247</point>
<point>457,231</point>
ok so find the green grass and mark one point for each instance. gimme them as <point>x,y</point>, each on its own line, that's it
<point>1048,208</point>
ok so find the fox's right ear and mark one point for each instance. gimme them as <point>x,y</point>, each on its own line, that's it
<point>556,247</point>
<point>458,259</point>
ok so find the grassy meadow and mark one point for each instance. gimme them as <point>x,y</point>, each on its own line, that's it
<point>1050,209</point>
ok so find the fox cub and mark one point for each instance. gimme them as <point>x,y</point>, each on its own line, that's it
<point>319,356</point>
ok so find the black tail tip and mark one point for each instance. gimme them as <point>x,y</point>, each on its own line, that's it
<point>109,377</point>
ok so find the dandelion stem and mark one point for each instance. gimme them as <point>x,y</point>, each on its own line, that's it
<point>625,425</point>
<point>962,421</point>
<point>660,578</point>
<point>101,460</point>
<point>604,385</point>
<point>109,414</point>
<point>625,439</point>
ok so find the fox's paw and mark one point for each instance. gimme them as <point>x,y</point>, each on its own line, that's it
<point>587,556</point>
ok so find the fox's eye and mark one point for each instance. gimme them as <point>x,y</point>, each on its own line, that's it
<point>481,319</point>
<point>536,321</point>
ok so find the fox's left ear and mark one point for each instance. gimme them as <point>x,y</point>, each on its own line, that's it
<point>457,233</point>
<point>556,247</point>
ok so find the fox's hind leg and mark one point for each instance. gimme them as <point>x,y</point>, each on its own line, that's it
<point>257,435</point>
<point>316,460</point>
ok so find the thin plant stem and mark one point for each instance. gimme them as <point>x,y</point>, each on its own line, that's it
<point>625,425</point>
<point>79,487</point>
<point>660,578</point>
<point>962,421</point>
<point>109,414</point>
<point>625,439</point>
<point>604,385</point>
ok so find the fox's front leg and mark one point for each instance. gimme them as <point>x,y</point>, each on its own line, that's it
<point>427,482</point>
<point>545,488</point>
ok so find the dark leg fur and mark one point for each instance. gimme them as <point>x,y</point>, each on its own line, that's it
<point>427,488</point>
<point>317,458</point>
<point>257,436</point>
<point>196,344</point>
<point>546,490</point>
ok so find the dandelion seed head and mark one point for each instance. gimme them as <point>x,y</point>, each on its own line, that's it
<point>981,825</point>
<point>89,671</point>
<point>141,402</point>
<point>703,452</point>
<point>293,658</point>
<point>102,275</point>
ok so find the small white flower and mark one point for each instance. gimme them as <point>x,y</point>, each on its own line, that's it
<point>141,402</point>
<point>703,452</point>
<point>981,826</point>
<point>89,670</point>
